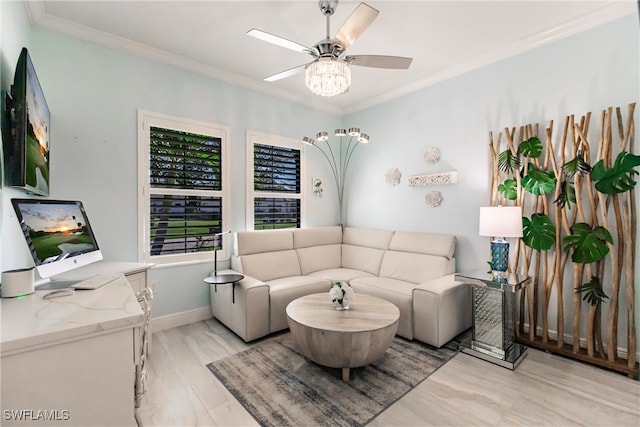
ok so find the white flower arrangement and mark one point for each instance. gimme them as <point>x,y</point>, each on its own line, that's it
<point>341,294</point>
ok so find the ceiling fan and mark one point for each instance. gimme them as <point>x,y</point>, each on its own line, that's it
<point>329,74</point>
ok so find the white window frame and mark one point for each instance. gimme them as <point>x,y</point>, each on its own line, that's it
<point>254,137</point>
<point>146,120</point>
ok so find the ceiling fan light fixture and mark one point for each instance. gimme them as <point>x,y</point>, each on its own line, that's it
<point>328,77</point>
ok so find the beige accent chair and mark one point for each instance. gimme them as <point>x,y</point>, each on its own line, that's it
<point>413,270</point>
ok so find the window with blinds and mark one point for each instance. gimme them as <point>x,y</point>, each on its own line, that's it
<point>276,191</point>
<point>183,189</point>
<point>184,160</point>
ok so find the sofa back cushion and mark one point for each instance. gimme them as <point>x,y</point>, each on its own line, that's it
<point>271,265</point>
<point>417,257</point>
<point>438,244</point>
<point>316,236</point>
<point>318,248</point>
<point>367,237</point>
<point>414,268</point>
<point>266,255</point>
<point>253,242</point>
<point>363,248</point>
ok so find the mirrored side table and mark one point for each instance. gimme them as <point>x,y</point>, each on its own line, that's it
<point>493,301</point>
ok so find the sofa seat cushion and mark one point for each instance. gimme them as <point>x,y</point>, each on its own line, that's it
<point>341,274</point>
<point>395,291</point>
<point>283,291</point>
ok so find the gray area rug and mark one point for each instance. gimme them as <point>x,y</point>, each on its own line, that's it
<point>278,387</point>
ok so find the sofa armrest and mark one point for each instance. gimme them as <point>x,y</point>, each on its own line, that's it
<point>249,315</point>
<point>441,310</point>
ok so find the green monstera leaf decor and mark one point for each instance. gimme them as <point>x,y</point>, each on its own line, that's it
<point>618,179</point>
<point>588,244</point>
<point>538,182</point>
<point>508,189</point>
<point>538,232</point>
<point>532,147</point>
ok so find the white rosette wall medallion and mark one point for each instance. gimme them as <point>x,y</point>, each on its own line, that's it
<point>393,177</point>
<point>432,155</point>
<point>433,199</point>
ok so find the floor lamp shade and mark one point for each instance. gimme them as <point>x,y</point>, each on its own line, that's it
<point>500,222</point>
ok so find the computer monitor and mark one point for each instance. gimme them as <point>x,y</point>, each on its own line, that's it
<point>58,234</point>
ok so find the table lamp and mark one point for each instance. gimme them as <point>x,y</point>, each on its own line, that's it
<point>500,222</point>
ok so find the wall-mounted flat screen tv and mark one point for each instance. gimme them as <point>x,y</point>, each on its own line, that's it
<point>27,151</point>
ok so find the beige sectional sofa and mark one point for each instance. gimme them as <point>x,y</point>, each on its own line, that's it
<point>413,270</point>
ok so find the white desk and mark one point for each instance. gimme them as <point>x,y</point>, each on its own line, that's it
<point>70,360</point>
<point>137,275</point>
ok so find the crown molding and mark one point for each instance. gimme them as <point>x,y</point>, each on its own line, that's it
<point>40,19</point>
<point>604,15</point>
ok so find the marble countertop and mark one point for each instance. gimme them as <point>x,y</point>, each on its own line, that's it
<point>31,321</point>
<point>104,267</point>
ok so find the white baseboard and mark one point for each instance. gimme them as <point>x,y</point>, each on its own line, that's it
<point>178,319</point>
<point>568,339</point>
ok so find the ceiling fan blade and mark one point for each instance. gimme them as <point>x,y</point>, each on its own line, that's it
<point>284,74</point>
<point>356,23</point>
<point>380,61</point>
<point>277,40</point>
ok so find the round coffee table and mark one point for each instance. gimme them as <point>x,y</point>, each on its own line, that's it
<point>342,339</point>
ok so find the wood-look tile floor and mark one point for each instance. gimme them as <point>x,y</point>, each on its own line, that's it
<point>544,390</point>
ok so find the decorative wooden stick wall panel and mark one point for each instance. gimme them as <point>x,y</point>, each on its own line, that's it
<point>576,190</point>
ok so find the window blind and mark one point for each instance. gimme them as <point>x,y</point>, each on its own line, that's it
<point>276,169</point>
<point>179,222</point>
<point>277,172</point>
<point>184,160</point>
<point>272,213</point>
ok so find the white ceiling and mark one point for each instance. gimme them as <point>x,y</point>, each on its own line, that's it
<point>445,38</point>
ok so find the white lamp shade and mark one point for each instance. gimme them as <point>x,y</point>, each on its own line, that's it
<point>500,221</point>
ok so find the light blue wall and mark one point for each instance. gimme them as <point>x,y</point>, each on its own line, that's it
<point>586,72</point>
<point>15,32</point>
<point>94,93</point>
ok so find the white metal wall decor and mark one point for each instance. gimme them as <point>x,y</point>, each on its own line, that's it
<point>393,177</point>
<point>433,199</point>
<point>450,177</point>
<point>432,155</point>
<point>317,187</point>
